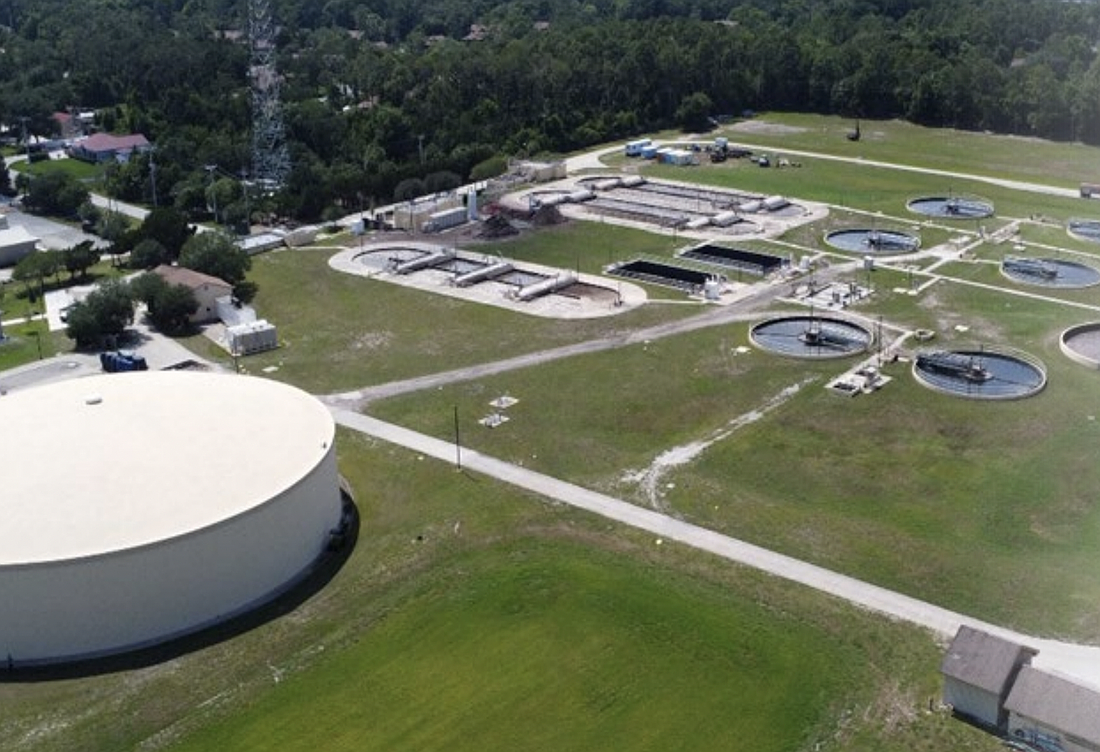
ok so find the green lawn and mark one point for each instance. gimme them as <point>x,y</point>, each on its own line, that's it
<point>339,331</point>
<point>898,142</point>
<point>80,169</point>
<point>913,490</point>
<point>472,615</point>
<point>539,645</point>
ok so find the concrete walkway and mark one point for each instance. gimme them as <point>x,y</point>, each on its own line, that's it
<point>1077,661</point>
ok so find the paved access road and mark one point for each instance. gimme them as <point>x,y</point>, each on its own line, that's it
<point>1081,662</point>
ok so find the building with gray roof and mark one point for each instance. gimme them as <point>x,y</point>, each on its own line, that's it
<point>1053,714</point>
<point>978,672</point>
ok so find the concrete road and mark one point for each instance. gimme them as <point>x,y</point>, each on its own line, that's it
<point>746,309</point>
<point>1078,661</point>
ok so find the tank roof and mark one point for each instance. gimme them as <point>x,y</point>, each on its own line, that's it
<point>113,462</point>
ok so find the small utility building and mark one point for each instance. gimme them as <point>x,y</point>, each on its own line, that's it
<point>205,288</point>
<point>1052,713</point>
<point>978,672</point>
<point>15,243</point>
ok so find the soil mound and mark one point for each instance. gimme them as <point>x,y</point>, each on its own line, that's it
<point>545,216</point>
<point>497,226</point>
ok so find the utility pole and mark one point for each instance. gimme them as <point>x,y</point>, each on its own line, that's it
<point>153,177</point>
<point>211,169</point>
<point>458,444</point>
<point>26,144</point>
<point>247,209</point>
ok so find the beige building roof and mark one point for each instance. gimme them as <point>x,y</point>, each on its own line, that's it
<point>1057,703</point>
<point>104,463</point>
<point>189,278</point>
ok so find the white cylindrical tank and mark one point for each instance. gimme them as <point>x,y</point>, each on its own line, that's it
<point>546,286</point>
<point>712,288</point>
<point>725,219</point>
<point>156,504</point>
<point>775,203</point>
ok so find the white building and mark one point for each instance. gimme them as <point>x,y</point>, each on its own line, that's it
<point>978,672</point>
<point>1053,714</point>
<point>15,243</point>
<point>205,288</point>
<point>156,504</point>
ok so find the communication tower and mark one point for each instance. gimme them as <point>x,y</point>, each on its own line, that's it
<point>270,159</point>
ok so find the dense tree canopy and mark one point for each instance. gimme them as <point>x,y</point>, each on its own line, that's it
<point>103,315</point>
<point>169,307</point>
<point>380,92</point>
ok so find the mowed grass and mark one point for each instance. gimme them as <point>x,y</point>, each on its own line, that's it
<point>77,168</point>
<point>898,142</point>
<point>874,189</point>
<point>473,616</point>
<point>340,331</point>
<point>986,508</point>
<point>537,646</point>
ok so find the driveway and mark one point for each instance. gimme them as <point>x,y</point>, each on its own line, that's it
<point>53,235</point>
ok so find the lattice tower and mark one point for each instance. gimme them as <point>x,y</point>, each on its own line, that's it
<point>270,159</point>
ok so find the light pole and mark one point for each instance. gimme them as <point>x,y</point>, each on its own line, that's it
<point>36,334</point>
<point>458,443</point>
<point>247,209</point>
<point>153,177</point>
<point>210,169</point>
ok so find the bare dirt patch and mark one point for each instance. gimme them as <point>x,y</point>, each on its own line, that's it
<point>763,126</point>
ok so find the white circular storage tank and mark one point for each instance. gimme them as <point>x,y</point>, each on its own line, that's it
<point>138,507</point>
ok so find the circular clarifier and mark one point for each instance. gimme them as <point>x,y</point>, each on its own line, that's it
<point>811,337</point>
<point>1085,229</point>
<point>1081,344</point>
<point>980,373</point>
<point>951,207</point>
<point>1049,272</point>
<point>865,241</point>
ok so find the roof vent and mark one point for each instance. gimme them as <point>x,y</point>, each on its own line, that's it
<point>92,399</point>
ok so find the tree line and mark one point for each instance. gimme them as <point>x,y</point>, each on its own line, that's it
<point>384,93</point>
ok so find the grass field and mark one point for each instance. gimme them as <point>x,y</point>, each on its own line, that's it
<point>370,332</point>
<point>474,616</point>
<point>471,616</point>
<point>77,168</point>
<point>898,142</point>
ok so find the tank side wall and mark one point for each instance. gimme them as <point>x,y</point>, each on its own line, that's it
<point>109,603</point>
